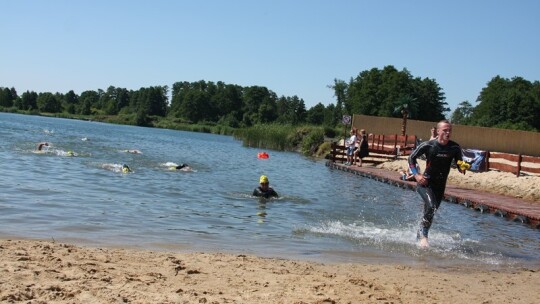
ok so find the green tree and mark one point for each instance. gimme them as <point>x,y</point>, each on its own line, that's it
<point>291,110</point>
<point>330,119</point>
<point>253,98</point>
<point>87,100</point>
<point>430,100</point>
<point>227,101</point>
<point>341,92</point>
<point>47,102</point>
<point>315,115</point>
<point>158,100</point>
<point>7,97</point>
<point>70,102</point>
<point>194,105</point>
<point>28,101</point>
<point>115,99</point>
<point>178,92</point>
<point>378,92</point>
<point>506,103</point>
<point>267,112</point>
<point>462,113</point>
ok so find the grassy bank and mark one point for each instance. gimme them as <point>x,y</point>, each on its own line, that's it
<point>309,140</point>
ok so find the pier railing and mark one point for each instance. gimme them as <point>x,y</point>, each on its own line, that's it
<point>381,148</point>
<point>513,163</point>
<point>387,147</point>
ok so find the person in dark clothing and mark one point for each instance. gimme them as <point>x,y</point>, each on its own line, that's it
<point>439,153</point>
<point>264,189</point>
<point>363,148</point>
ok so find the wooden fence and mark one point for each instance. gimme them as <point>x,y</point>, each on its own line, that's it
<point>468,137</point>
<point>513,163</point>
<point>385,147</point>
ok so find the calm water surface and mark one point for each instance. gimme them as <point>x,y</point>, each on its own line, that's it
<point>322,215</point>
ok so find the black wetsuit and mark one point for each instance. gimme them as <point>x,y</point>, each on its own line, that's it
<point>270,192</point>
<point>438,161</point>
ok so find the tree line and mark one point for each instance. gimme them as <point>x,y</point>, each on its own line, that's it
<point>505,104</point>
<point>384,92</point>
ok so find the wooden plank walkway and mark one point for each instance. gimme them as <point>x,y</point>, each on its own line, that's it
<point>511,208</point>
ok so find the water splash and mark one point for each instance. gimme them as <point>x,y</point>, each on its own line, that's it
<point>402,239</point>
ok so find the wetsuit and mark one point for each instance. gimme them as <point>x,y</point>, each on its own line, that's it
<point>438,161</point>
<point>270,192</point>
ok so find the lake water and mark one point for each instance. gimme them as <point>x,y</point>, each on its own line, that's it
<point>322,214</point>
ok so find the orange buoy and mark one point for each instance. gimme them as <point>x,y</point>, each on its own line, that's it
<point>262,155</point>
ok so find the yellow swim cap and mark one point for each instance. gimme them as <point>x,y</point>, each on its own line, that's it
<point>263,179</point>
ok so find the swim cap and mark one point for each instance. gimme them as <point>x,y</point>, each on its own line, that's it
<point>263,179</point>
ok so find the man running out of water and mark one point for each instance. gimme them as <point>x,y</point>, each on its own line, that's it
<point>439,153</point>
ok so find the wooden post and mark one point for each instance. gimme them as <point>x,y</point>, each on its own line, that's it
<point>333,145</point>
<point>520,158</point>
<point>396,150</point>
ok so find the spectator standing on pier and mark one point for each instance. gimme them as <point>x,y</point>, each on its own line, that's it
<point>363,148</point>
<point>433,133</point>
<point>350,145</point>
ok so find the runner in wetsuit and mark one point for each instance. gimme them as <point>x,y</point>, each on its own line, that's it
<point>264,190</point>
<point>439,152</point>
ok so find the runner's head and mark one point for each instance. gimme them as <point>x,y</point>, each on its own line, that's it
<point>444,131</point>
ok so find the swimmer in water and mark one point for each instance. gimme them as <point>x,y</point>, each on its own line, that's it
<point>181,167</point>
<point>126,169</point>
<point>41,145</point>
<point>134,151</point>
<point>264,189</point>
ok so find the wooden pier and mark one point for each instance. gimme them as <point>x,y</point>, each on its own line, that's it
<point>511,208</point>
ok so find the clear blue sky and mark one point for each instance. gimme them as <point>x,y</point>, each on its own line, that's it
<point>292,47</point>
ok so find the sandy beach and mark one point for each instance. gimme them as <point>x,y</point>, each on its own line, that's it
<point>35,271</point>
<point>51,272</point>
